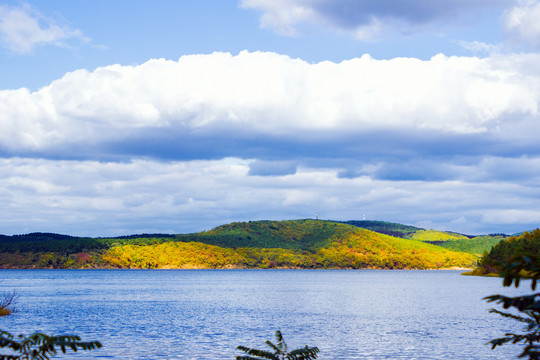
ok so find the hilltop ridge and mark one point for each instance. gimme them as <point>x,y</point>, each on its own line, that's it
<point>304,243</point>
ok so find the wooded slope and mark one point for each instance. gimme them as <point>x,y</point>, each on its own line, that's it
<point>256,244</point>
<point>528,242</point>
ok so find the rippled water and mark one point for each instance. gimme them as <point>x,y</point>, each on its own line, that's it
<point>205,314</point>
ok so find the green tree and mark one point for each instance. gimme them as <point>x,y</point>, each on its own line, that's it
<point>39,346</point>
<point>524,265</point>
<point>280,351</point>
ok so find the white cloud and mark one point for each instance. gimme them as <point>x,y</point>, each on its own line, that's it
<point>286,110</point>
<point>479,47</point>
<point>366,19</point>
<point>267,93</point>
<point>282,15</point>
<point>105,198</point>
<point>23,28</point>
<point>91,195</point>
<point>512,216</point>
<point>522,21</point>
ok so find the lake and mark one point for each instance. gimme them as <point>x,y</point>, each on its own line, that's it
<point>205,314</point>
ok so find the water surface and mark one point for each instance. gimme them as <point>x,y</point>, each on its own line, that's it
<point>205,314</point>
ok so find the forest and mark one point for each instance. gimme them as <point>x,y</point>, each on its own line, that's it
<point>307,244</point>
<point>504,251</point>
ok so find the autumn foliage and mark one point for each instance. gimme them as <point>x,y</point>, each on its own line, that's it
<point>345,247</point>
<point>306,244</point>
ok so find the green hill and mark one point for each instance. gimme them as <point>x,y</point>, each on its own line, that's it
<point>476,245</point>
<point>384,227</point>
<point>407,231</point>
<point>527,242</point>
<point>434,235</point>
<point>290,244</point>
<point>446,239</point>
<point>255,244</point>
<point>288,234</point>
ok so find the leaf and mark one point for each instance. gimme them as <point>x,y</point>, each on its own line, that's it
<point>40,346</point>
<point>280,351</point>
<point>521,265</point>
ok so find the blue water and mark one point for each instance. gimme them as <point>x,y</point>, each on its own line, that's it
<point>205,314</point>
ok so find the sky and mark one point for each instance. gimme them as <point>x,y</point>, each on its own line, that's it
<point>127,117</point>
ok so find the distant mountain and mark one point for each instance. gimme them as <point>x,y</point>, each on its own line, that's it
<point>383,227</point>
<point>37,236</point>
<point>447,239</point>
<point>291,244</point>
<point>476,245</point>
<point>256,244</point>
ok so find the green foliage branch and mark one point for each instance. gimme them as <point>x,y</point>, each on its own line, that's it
<point>524,265</point>
<point>280,351</point>
<point>40,346</point>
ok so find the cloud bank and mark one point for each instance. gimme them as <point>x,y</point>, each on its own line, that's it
<point>91,198</point>
<point>178,146</point>
<point>367,19</point>
<point>272,96</point>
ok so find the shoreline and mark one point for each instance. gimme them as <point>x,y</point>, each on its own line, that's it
<point>469,270</point>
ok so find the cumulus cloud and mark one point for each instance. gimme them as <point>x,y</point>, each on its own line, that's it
<point>270,96</point>
<point>521,22</point>
<point>23,28</point>
<point>366,19</point>
<point>179,146</point>
<point>91,198</point>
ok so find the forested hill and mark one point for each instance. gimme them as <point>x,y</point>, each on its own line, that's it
<point>384,227</point>
<point>256,244</point>
<point>447,239</point>
<point>293,234</point>
<point>526,243</point>
<point>35,237</point>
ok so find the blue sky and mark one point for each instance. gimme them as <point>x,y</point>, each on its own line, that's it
<point>173,116</point>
